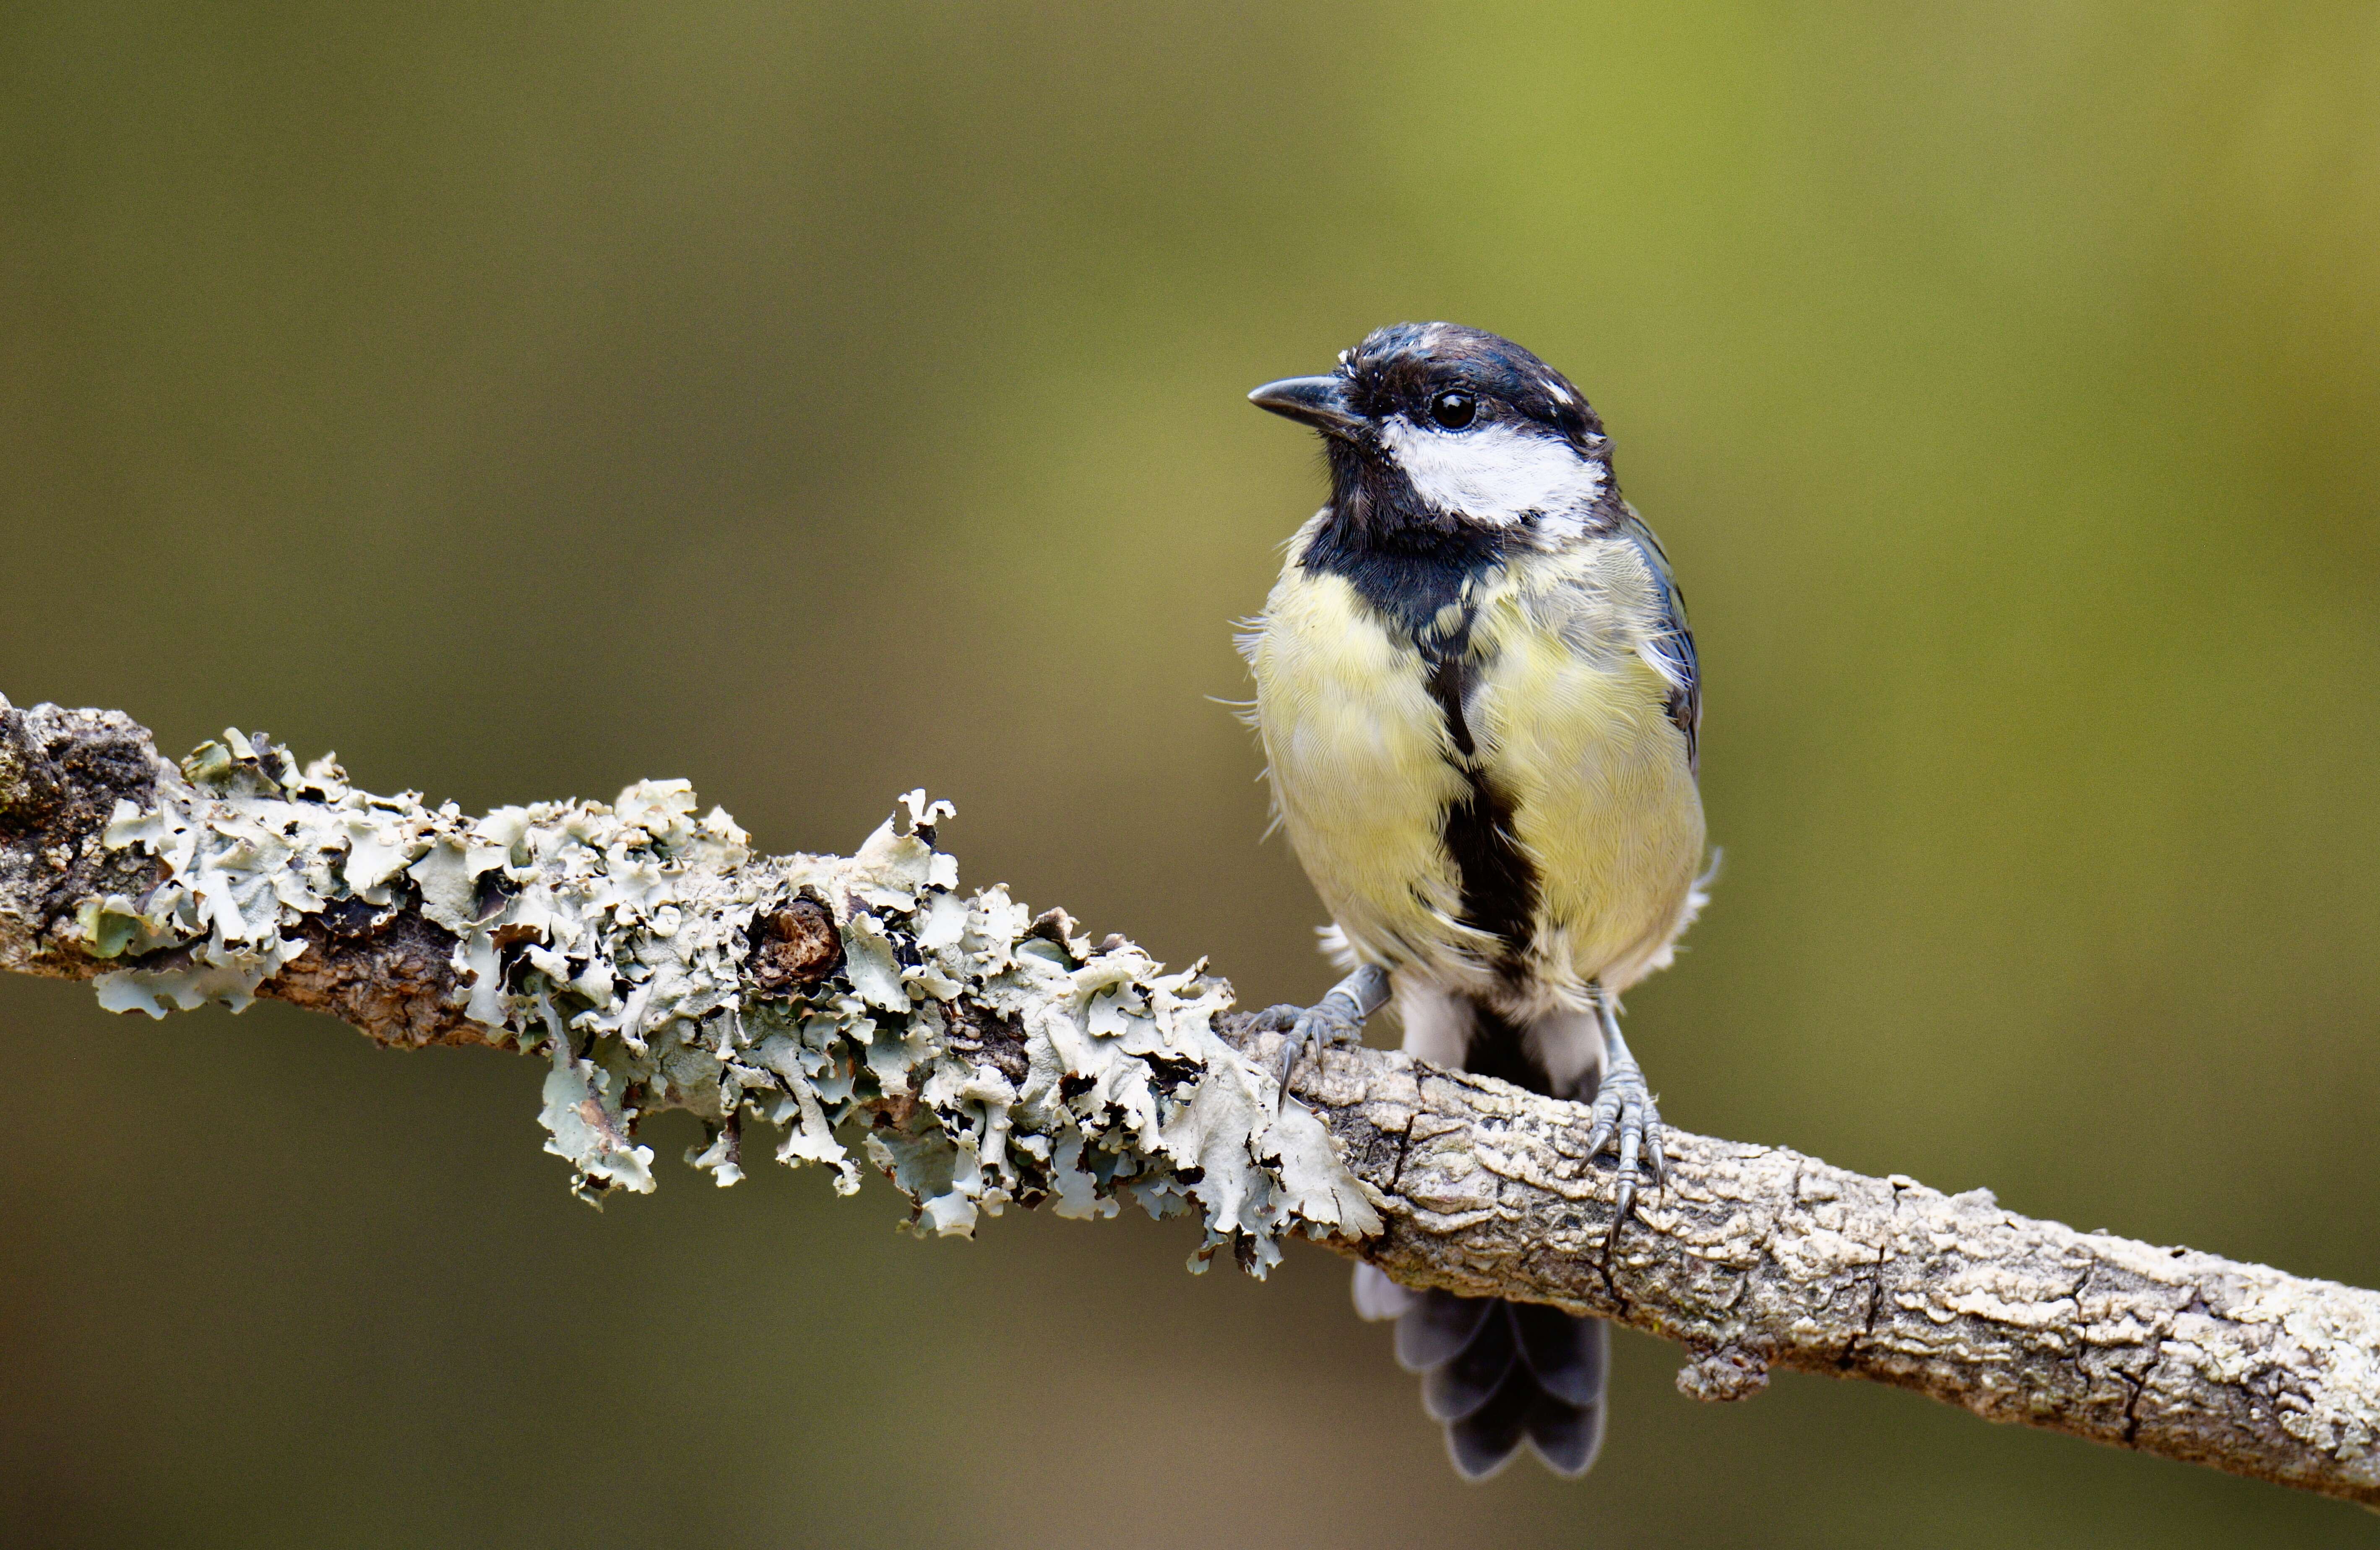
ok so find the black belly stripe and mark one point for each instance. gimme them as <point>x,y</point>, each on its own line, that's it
<point>1499,1048</point>
<point>1498,883</point>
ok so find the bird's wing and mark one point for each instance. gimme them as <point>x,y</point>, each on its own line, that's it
<point>1672,645</point>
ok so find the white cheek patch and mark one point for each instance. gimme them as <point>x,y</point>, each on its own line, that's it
<point>1496,474</point>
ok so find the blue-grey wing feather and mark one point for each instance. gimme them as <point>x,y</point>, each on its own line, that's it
<point>1675,644</point>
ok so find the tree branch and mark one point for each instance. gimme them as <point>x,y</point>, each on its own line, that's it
<point>984,1057</point>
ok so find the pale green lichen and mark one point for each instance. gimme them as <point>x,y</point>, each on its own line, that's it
<point>614,939</point>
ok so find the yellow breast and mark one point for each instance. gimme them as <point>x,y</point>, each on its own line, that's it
<point>1573,725</point>
<point>1359,762</point>
<point>1568,725</point>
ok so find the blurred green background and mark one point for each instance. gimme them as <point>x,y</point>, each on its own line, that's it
<point>821,400</point>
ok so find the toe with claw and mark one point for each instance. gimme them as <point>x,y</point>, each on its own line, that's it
<point>1336,1018</point>
<point>1625,1119</point>
<point>1316,1028</point>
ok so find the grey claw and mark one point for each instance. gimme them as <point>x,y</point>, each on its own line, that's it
<point>1625,1119</point>
<point>1624,1203</point>
<point>1276,1019</point>
<point>1317,1027</point>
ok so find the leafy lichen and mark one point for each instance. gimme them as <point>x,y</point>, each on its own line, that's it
<point>980,1055</point>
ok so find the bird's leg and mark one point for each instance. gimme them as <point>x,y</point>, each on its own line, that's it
<point>1338,1018</point>
<point>1624,1117</point>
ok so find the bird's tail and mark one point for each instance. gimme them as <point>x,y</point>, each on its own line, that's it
<point>1498,1373</point>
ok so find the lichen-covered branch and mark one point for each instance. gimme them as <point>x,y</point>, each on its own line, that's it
<point>983,1056</point>
<point>979,1054</point>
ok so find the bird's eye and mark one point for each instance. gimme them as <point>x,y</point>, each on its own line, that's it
<point>1454,409</point>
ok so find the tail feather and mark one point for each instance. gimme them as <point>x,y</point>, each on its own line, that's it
<point>1562,1425</point>
<point>1437,1329</point>
<point>1464,1382</point>
<point>1377,1298</point>
<point>1567,1355</point>
<point>1499,1374</point>
<point>1483,1442</point>
<point>1567,1436</point>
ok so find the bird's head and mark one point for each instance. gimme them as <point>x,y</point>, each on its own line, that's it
<point>1438,432</point>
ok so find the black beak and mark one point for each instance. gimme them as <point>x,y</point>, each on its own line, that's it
<point>1320,402</point>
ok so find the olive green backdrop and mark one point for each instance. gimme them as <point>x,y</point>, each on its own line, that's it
<point>818,401</point>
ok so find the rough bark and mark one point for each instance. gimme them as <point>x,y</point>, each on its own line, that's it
<point>1750,1256</point>
<point>1757,1256</point>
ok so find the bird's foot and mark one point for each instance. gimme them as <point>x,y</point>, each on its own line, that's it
<point>1625,1119</point>
<point>1336,1018</point>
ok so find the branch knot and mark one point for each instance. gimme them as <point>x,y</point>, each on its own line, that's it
<point>1724,1375</point>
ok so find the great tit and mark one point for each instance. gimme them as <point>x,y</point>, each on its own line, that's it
<point>1479,705</point>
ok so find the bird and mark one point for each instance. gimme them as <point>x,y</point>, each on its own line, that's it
<point>1480,710</point>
